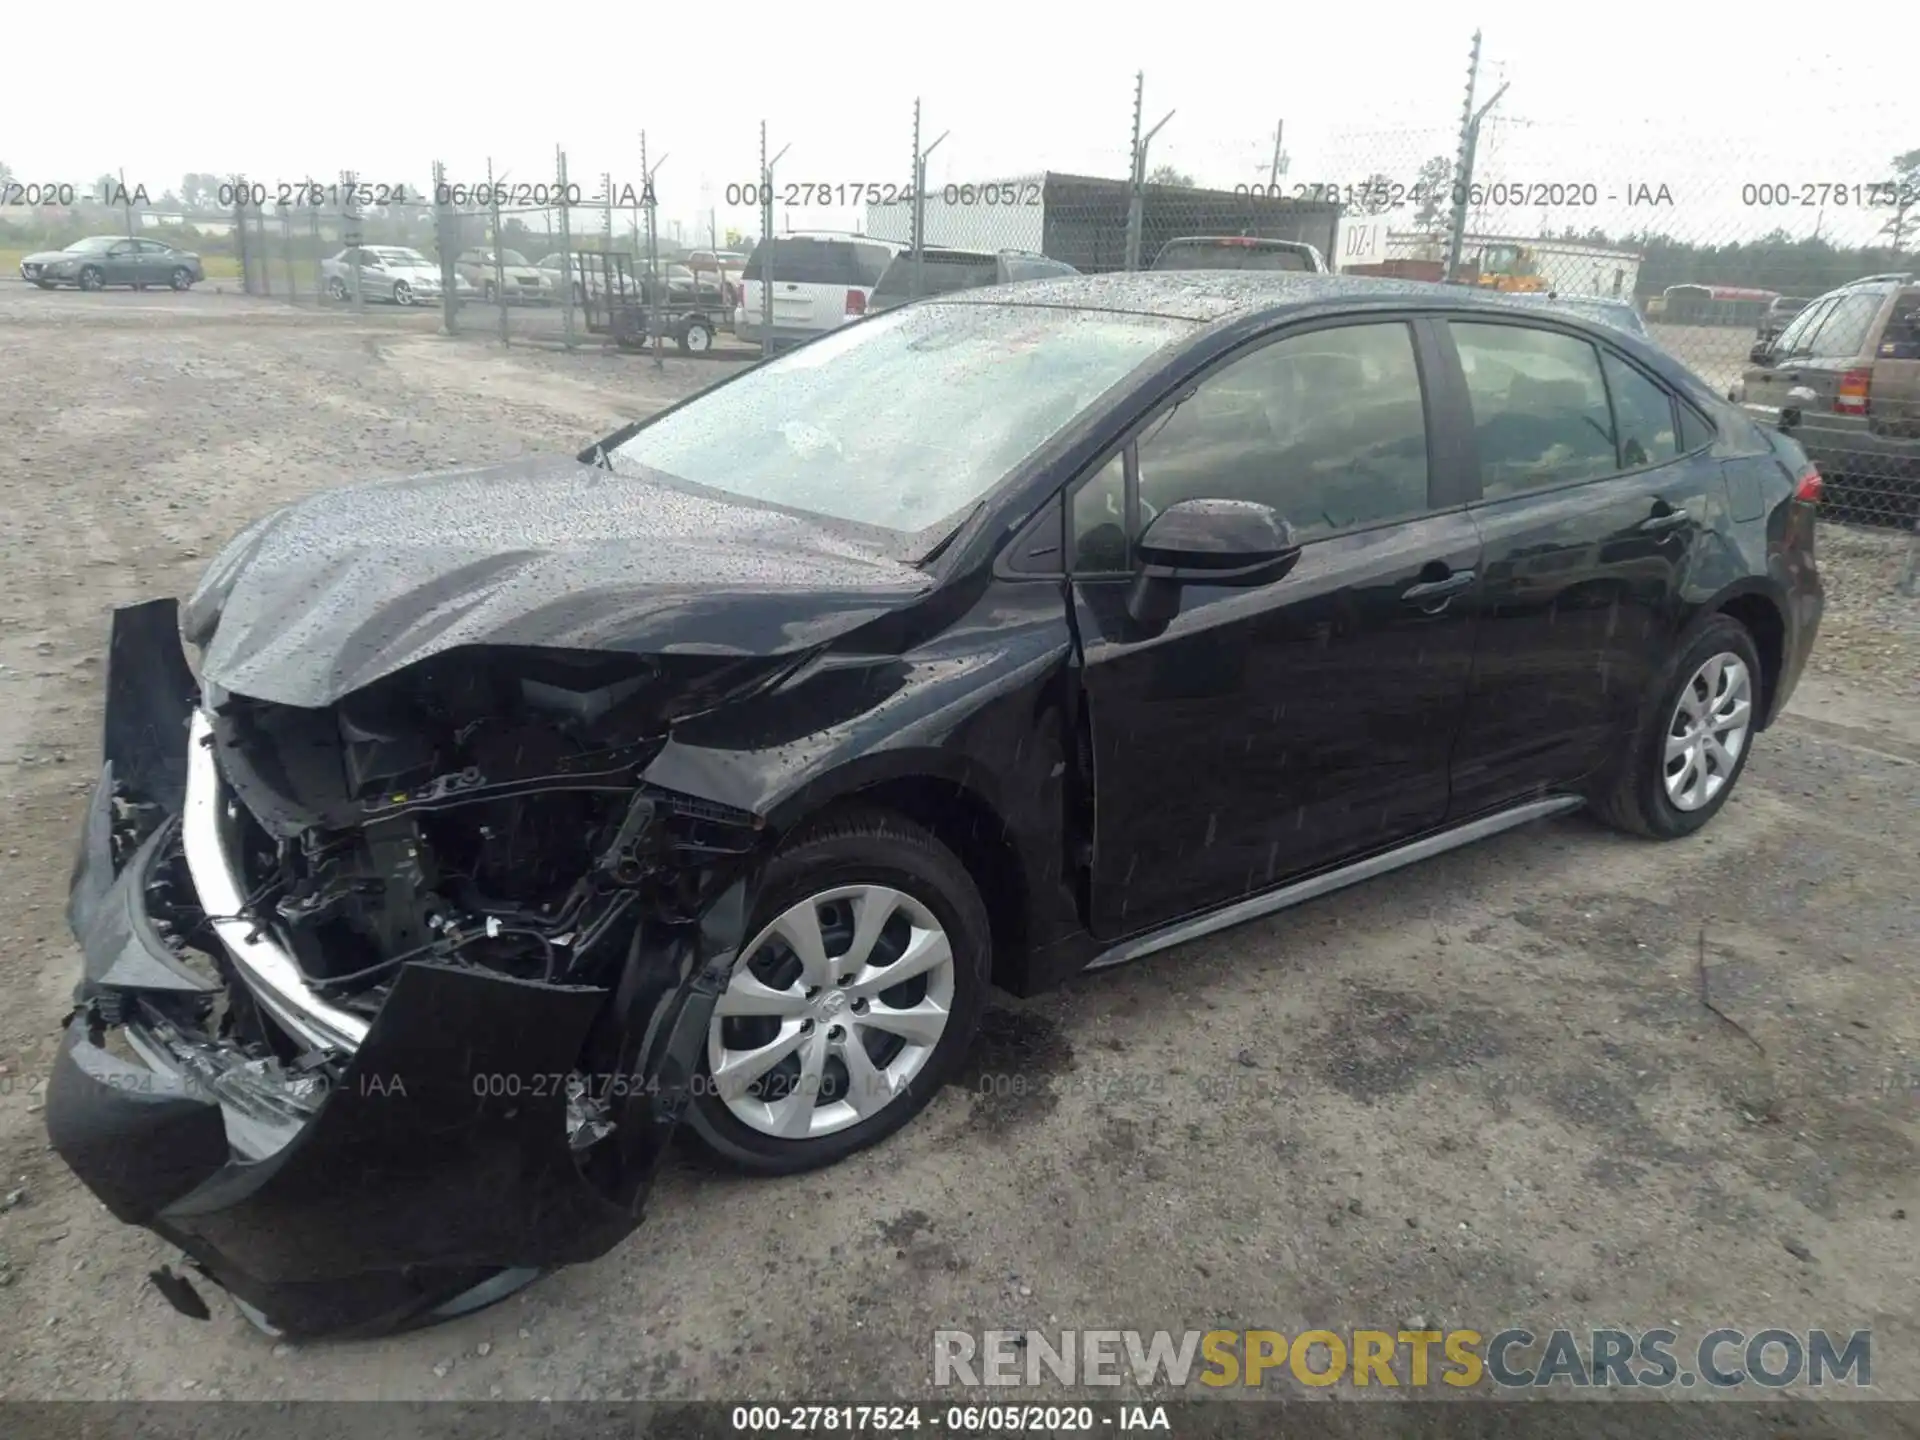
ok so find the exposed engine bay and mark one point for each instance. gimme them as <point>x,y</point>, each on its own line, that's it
<point>486,814</point>
<point>473,812</point>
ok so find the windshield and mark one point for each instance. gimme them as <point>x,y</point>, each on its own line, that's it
<point>903,420</point>
<point>1200,255</point>
<point>91,244</point>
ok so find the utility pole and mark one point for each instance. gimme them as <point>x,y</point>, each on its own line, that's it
<point>1279,166</point>
<point>566,246</point>
<point>920,201</point>
<point>766,236</point>
<point>1470,119</point>
<point>1136,200</point>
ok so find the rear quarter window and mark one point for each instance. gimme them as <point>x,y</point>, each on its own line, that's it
<point>1845,331</point>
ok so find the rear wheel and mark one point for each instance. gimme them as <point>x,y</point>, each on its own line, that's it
<point>855,997</point>
<point>182,278</point>
<point>1681,766</point>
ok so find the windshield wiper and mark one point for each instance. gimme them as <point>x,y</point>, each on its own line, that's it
<point>946,542</point>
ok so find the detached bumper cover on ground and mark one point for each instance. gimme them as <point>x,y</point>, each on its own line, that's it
<point>428,1168</point>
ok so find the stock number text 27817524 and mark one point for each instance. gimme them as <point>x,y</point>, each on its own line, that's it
<point>312,194</point>
<point>802,193</point>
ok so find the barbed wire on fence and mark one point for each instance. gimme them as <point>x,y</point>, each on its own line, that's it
<point>1707,265</point>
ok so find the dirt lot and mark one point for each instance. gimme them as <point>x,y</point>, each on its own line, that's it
<point>1483,1092</point>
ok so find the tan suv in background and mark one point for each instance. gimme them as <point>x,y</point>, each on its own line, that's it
<point>1843,379</point>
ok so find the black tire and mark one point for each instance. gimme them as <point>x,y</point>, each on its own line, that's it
<point>402,293</point>
<point>91,278</point>
<point>877,847</point>
<point>139,285</point>
<point>692,344</point>
<point>336,289</point>
<point>182,278</point>
<point>47,284</point>
<point>1634,796</point>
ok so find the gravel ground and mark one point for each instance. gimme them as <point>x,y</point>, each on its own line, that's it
<point>1482,1092</point>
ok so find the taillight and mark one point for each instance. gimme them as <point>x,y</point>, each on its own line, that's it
<point>1852,396</point>
<point>1808,487</point>
<point>856,302</point>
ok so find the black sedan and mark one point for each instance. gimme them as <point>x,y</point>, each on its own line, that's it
<point>520,814</point>
<point>102,260</point>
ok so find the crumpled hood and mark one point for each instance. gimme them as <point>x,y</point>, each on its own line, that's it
<point>335,591</point>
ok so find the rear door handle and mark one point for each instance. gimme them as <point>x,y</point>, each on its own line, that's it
<point>1430,590</point>
<point>1665,520</point>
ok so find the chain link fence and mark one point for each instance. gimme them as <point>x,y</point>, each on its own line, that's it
<point>1798,297</point>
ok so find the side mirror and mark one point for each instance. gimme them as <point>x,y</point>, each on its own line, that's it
<point>1761,353</point>
<point>1208,542</point>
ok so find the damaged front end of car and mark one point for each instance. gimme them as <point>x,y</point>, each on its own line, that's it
<point>392,1004</point>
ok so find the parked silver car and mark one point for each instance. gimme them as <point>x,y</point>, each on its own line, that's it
<point>387,273</point>
<point>511,277</point>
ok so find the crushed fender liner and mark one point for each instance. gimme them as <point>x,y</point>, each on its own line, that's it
<point>344,1170</point>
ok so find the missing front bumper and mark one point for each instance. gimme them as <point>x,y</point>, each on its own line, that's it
<point>432,1171</point>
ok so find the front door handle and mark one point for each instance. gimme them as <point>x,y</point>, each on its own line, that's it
<point>1428,591</point>
<point>1664,520</point>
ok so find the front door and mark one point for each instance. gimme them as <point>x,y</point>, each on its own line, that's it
<point>1590,514</point>
<point>1265,732</point>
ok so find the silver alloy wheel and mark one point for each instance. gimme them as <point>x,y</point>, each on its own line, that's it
<point>831,1011</point>
<point>402,293</point>
<point>336,288</point>
<point>1707,731</point>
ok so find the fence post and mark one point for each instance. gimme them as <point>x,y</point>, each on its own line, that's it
<point>499,265</point>
<point>240,233</point>
<point>446,244</point>
<point>351,237</point>
<point>1910,572</point>
<point>286,253</point>
<point>566,246</point>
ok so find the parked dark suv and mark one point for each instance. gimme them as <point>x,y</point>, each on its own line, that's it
<point>516,814</point>
<point>944,270</point>
<point>1844,380</point>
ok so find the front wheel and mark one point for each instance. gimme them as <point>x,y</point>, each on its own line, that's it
<point>402,293</point>
<point>855,998</point>
<point>490,292</point>
<point>47,284</point>
<point>336,288</point>
<point>91,278</point>
<point>1680,767</point>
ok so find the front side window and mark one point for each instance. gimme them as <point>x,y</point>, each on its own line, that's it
<point>1328,428</point>
<point>1540,412</point>
<point>905,420</point>
<point>1643,413</point>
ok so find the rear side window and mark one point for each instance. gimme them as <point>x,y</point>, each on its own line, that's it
<point>869,263</point>
<point>1231,257</point>
<point>1540,410</point>
<point>1844,333</point>
<point>1901,339</point>
<point>940,275</point>
<point>1643,415</point>
<point>804,261</point>
<point>1028,267</point>
<point>1696,431</point>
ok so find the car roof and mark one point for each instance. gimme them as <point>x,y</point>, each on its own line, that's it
<point>1221,295</point>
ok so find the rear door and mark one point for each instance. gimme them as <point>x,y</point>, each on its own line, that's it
<point>1274,729</point>
<point>1591,509</point>
<point>121,264</point>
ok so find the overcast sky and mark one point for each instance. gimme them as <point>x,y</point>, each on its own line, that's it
<point>1632,93</point>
